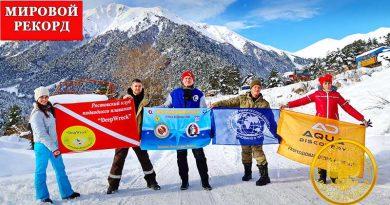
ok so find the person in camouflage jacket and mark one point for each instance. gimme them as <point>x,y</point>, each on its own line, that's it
<point>252,99</point>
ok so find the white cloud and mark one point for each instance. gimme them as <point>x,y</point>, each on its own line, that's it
<point>286,9</point>
<point>196,10</point>
<point>239,25</point>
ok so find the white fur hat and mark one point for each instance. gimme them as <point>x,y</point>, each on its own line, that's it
<point>41,91</point>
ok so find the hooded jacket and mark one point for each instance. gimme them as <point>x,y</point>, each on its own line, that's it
<point>327,104</point>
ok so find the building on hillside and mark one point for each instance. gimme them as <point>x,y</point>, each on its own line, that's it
<point>370,58</point>
<point>298,75</point>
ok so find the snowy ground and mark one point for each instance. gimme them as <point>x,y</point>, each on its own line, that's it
<point>290,180</point>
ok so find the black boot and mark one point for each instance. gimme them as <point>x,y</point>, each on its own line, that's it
<point>322,178</point>
<point>206,184</point>
<point>48,200</point>
<point>113,185</point>
<point>112,190</point>
<point>184,185</point>
<point>73,196</point>
<point>154,186</point>
<point>248,172</point>
<point>264,178</point>
<point>151,181</point>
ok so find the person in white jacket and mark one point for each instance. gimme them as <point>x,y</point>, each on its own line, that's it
<point>43,126</point>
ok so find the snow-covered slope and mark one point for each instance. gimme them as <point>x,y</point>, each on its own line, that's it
<point>365,88</point>
<point>321,48</point>
<point>99,20</point>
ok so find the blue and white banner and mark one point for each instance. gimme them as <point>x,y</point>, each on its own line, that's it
<point>175,128</point>
<point>245,126</point>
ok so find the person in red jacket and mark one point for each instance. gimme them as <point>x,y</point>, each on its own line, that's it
<point>327,100</point>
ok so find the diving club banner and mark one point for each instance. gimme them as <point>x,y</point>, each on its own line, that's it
<point>245,126</point>
<point>304,135</point>
<point>96,125</point>
<point>173,129</point>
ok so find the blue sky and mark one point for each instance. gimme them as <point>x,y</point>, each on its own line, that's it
<point>286,24</point>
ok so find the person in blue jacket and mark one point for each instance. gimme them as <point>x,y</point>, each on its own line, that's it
<point>188,96</point>
<point>46,148</point>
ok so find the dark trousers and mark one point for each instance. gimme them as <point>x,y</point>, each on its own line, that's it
<point>119,161</point>
<point>201,163</point>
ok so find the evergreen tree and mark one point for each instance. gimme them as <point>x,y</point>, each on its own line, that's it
<point>274,79</point>
<point>375,42</point>
<point>13,118</point>
<point>387,39</point>
<point>227,80</point>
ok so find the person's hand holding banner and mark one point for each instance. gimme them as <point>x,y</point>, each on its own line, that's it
<point>56,153</point>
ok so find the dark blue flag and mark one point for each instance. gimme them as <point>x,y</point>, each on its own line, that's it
<point>245,126</point>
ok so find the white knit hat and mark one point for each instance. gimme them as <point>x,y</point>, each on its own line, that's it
<point>41,91</point>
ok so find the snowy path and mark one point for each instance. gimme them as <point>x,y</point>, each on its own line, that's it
<point>88,173</point>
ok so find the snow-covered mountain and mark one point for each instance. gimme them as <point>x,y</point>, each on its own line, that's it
<point>102,19</point>
<point>321,48</point>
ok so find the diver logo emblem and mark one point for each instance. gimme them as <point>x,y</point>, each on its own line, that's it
<point>78,138</point>
<point>161,131</point>
<point>192,130</point>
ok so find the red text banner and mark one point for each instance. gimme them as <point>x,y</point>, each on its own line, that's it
<point>96,125</point>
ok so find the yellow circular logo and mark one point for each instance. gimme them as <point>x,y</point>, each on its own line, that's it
<point>78,138</point>
<point>343,172</point>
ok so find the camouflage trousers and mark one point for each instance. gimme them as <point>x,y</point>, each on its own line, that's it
<point>253,151</point>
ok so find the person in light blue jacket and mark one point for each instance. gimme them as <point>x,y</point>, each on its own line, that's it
<point>43,126</point>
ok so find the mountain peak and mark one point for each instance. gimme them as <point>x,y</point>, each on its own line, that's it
<point>321,48</point>
<point>113,16</point>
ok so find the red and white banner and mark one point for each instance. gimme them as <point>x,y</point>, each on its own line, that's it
<point>41,20</point>
<point>96,125</point>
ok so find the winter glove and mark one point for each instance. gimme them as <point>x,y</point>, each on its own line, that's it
<point>367,123</point>
<point>56,153</point>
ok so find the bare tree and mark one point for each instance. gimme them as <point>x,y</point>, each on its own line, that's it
<point>145,63</point>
